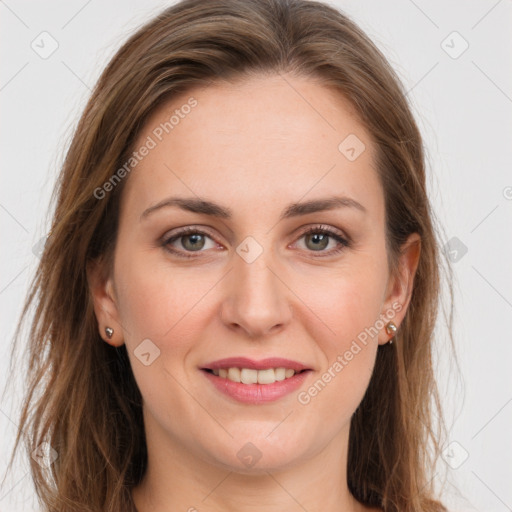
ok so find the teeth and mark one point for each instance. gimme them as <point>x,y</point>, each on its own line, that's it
<point>233,374</point>
<point>250,376</point>
<point>266,376</point>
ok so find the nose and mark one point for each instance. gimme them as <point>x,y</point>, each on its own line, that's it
<point>256,301</point>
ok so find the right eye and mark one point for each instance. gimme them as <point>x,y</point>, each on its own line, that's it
<point>190,239</point>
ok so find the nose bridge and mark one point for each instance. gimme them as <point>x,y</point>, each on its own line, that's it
<point>256,300</point>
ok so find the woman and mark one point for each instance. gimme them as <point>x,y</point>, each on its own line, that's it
<point>237,299</point>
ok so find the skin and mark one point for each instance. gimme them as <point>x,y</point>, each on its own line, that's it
<point>253,146</point>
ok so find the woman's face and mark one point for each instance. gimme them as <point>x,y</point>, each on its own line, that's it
<point>246,280</point>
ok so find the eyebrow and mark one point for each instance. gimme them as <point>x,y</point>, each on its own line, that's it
<point>202,206</point>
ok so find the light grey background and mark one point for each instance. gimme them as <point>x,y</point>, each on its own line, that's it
<point>463,104</point>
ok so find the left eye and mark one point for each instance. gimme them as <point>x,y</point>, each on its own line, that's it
<point>318,239</point>
<point>193,240</point>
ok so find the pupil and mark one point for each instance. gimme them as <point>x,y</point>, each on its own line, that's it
<point>194,244</point>
<point>320,237</point>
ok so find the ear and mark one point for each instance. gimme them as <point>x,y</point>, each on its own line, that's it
<point>104,301</point>
<point>400,286</point>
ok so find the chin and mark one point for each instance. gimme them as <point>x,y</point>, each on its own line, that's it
<point>258,455</point>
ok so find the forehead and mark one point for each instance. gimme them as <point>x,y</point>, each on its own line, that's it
<point>264,140</point>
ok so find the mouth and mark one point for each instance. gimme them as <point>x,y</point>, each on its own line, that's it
<point>256,382</point>
<point>254,376</point>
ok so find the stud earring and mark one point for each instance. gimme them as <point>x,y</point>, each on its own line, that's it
<point>391,328</point>
<point>109,332</point>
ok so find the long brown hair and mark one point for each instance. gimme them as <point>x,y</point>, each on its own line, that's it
<point>81,396</point>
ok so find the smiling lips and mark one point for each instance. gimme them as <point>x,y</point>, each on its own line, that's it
<point>255,382</point>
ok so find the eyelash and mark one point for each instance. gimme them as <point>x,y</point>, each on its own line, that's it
<point>343,242</point>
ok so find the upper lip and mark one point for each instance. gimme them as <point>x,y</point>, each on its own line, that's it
<point>262,364</point>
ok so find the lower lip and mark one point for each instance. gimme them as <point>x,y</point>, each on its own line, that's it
<point>257,393</point>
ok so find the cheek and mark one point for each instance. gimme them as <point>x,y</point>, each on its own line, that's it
<point>345,302</point>
<point>168,307</point>
<point>157,302</point>
<point>347,305</point>
<point>348,345</point>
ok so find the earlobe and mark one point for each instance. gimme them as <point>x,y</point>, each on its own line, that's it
<point>400,288</point>
<point>105,304</point>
